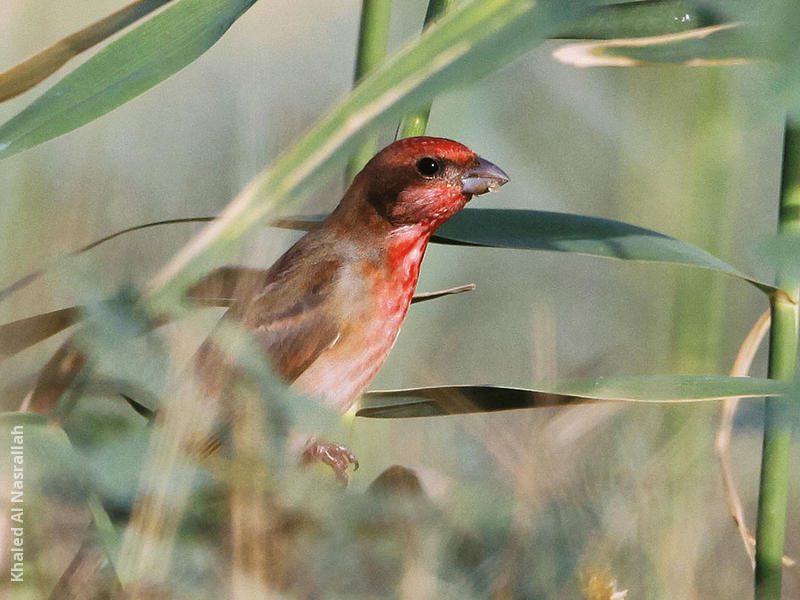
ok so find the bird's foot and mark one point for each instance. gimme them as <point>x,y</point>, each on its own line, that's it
<point>336,456</point>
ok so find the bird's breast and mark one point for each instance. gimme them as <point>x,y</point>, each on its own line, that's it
<point>381,294</point>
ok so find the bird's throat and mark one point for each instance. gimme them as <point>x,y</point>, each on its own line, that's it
<point>395,287</point>
<point>404,257</point>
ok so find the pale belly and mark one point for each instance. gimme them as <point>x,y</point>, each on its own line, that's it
<point>343,371</point>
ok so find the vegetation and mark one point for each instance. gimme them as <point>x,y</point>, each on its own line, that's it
<point>576,456</point>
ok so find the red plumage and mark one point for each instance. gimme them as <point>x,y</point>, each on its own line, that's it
<point>329,310</point>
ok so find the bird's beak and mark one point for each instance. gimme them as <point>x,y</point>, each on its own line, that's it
<point>483,177</point>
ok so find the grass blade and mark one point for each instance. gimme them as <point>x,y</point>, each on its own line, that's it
<point>639,19</point>
<point>24,333</point>
<point>715,45</point>
<point>462,399</point>
<point>124,69</point>
<point>27,74</point>
<point>425,296</point>
<point>561,232</point>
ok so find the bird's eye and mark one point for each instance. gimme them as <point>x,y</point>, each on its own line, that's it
<point>427,166</point>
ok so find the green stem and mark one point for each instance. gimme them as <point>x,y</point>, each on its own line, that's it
<point>416,122</point>
<point>372,38</point>
<point>773,490</point>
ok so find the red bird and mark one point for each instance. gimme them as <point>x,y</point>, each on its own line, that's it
<point>329,310</point>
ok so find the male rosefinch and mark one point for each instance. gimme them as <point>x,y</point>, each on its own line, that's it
<point>329,310</point>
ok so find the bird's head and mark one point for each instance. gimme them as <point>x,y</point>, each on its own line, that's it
<point>425,180</point>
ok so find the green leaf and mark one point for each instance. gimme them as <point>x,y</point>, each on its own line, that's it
<point>124,69</point>
<point>461,399</point>
<point>563,232</point>
<point>639,19</point>
<point>28,73</point>
<point>462,47</point>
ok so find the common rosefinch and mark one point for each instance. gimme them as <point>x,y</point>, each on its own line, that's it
<point>329,310</point>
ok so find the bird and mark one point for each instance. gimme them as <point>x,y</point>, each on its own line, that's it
<point>329,310</point>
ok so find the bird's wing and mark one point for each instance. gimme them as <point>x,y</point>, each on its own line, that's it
<point>292,314</point>
<point>220,287</point>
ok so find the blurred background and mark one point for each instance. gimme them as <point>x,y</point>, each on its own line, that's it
<point>632,492</point>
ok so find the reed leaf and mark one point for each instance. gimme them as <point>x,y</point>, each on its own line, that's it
<point>462,399</point>
<point>137,61</point>
<point>714,45</point>
<point>38,67</point>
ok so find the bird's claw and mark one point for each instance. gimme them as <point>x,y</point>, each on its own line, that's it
<point>336,456</point>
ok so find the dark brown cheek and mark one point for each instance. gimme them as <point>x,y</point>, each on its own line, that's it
<point>406,210</point>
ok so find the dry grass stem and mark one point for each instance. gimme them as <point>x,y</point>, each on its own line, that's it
<point>165,484</point>
<point>722,443</point>
<point>89,576</point>
<point>249,513</point>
